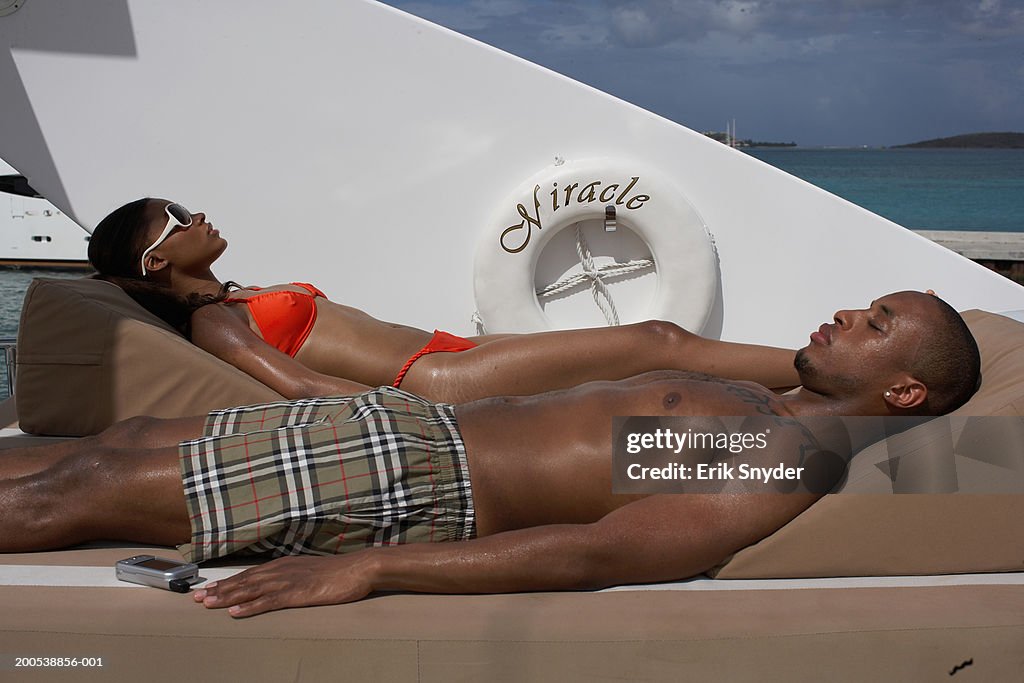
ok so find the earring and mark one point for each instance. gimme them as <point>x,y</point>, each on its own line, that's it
<point>888,394</point>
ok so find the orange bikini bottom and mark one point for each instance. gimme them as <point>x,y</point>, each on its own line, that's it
<point>441,341</point>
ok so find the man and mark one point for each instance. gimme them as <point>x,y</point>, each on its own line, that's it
<point>522,483</point>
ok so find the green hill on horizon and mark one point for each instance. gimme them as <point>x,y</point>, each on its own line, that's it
<point>972,141</point>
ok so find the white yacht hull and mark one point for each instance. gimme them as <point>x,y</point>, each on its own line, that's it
<point>369,151</point>
<point>34,233</point>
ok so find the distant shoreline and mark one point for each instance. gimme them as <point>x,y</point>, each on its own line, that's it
<point>876,148</point>
<point>971,141</point>
<point>975,141</point>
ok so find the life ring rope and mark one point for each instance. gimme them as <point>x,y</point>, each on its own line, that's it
<point>595,276</point>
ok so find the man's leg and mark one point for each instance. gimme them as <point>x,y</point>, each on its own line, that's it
<point>99,493</point>
<point>135,432</point>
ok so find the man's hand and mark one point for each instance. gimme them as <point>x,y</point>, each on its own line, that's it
<point>653,539</point>
<point>291,582</point>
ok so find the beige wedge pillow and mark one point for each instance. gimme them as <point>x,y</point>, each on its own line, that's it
<point>866,530</point>
<point>88,356</point>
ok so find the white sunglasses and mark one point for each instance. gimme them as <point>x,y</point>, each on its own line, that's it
<point>177,215</point>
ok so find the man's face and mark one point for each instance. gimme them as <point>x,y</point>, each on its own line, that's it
<point>863,350</point>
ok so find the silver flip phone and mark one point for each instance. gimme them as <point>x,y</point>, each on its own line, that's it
<point>158,572</point>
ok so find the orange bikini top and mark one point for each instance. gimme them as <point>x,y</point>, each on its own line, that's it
<point>285,318</point>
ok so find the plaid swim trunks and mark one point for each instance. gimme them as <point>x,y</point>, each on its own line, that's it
<point>326,475</point>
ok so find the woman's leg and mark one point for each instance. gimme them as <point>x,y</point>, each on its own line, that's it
<point>534,363</point>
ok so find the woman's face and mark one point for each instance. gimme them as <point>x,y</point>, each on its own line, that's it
<point>186,247</point>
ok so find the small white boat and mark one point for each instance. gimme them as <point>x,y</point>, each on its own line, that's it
<point>34,232</point>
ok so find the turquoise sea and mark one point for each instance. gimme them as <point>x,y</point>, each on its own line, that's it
<point>920,189</point>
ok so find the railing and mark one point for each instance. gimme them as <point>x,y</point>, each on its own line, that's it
<point>10,349</point>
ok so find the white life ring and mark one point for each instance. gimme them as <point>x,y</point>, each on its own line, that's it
<point>564,194</point>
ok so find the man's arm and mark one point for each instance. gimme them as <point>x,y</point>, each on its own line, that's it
<point>660,538</point>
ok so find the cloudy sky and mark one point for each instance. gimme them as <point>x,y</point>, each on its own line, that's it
<point>817,72</point>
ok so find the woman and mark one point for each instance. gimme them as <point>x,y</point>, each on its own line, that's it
<point>296,341</point>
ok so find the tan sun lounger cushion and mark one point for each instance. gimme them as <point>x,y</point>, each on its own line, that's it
<point>866,530</point>
<point>88,356</point>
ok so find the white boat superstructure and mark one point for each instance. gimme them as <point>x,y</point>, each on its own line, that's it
<point>33,232</point>
<point>370,151</point>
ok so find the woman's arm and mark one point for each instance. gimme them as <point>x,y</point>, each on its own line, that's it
<point>220,332</point>
<point>534,363</point>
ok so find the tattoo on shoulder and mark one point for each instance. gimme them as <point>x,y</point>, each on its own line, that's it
<point>761,401</point>
<point>659,375</point>
<point>808,445</point>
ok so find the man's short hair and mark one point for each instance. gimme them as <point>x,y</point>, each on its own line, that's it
<point>949,362</point>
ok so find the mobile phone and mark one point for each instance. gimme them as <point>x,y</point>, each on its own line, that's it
<point>158,572</point>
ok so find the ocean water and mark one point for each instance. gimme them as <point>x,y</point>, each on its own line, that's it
<point>920,189</point>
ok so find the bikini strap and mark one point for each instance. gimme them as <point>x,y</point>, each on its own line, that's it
<point>236,300</point>
<point>313,291</point>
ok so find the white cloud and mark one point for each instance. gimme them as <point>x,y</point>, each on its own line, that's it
<point>579,35</point>
<point>636,26</point>
<point>817,72</point>
<point>977,85</point>
<point>818,45</point>
<point>454,17</point>
<point>650,23</point>
<point>475,15</point>
<point>499,8</point>
<point>736,16</point>
<point>992,19</point>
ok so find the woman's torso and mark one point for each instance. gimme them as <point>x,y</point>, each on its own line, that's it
<point>343,341</point>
